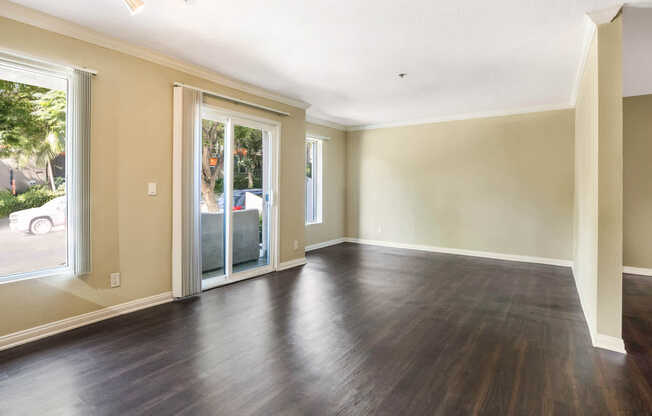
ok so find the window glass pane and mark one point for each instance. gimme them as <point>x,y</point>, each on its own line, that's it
<point>250,204</point>
<point>212,199</point>
<point>310,185</point>
<point>316,179</point>
<point>33,200</point>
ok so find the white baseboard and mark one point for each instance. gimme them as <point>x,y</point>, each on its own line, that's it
<point>463,252</point>
<point>610,343</point>
<point>598,340</point>
<point>325,244</point>
<point>637,270</point>
<point>290,264</point>
<point>52,328</point>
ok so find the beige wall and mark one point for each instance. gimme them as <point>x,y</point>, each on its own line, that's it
<point>334,186</point>
<point>637,183</point>
<point>598,215</point>
<point>502,184</point>
<point>132,145</point>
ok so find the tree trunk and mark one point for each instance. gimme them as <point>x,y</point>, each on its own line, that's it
<point>208,182</point>
<point>209,197</point>
<point>250,177</point>
<point>50,175</point>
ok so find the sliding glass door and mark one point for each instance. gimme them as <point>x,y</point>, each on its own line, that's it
<point>238,183</point>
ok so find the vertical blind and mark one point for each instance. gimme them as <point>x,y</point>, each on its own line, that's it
<point>81,158</point>
<point>186,238</point>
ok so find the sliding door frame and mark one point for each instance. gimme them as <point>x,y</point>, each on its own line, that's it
<point>230,119</point>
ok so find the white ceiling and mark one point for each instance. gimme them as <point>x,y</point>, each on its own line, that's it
<point>637,51</point>
<point>343,57</point>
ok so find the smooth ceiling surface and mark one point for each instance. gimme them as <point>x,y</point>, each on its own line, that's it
<point>343,57</point>
<point>637,51</point>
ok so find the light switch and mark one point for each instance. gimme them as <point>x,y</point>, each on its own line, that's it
<point>151,188</point>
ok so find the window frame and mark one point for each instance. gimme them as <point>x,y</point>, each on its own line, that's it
<point>19,64</point>
<point>317,180</point>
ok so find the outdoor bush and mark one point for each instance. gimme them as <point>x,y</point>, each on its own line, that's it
<point>8,203</point>
<point>60,184</point>
<point>240,181</point>
<point>36,196</point>
<point>32,198</point>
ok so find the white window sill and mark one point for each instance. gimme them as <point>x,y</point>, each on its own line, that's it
<point>308,224</point>
<point>63,272</point>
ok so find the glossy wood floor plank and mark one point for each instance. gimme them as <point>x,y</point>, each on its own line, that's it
<point>359,330</point>
<point>637,323</point>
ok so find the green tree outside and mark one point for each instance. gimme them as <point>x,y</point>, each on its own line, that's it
<point>247,157</point>
<point>32,124</point>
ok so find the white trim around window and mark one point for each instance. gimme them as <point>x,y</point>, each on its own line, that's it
<point>76,84</point>
<point>314,179</point>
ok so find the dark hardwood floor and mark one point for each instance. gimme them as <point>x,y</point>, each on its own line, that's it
<point>637,321</point>
<point>359,330</point>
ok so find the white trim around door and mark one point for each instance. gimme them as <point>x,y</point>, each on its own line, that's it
<point>232,118</point>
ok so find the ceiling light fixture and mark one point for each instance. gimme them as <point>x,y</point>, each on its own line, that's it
<point>135,6</point>
<point>402,75</point>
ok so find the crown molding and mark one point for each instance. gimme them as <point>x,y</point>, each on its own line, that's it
<point>44,21</point>
<point>591,22</point>
<point>460,117</point>
<point>50,23</point>
<point>607,15</point>
<point>325,123</point>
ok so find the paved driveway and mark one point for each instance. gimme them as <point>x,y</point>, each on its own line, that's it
<point>21,252</point>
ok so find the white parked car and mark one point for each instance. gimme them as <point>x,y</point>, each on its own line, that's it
<point>40,220</point>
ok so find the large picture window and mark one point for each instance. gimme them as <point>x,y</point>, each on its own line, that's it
<point>313,181</point>
<point>39,189</point>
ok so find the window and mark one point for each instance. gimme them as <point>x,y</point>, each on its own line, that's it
<point>313,180</point>
<point>41,182</point>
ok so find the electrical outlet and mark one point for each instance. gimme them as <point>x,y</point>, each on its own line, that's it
<point>115,279</point>
<point>296,245</point>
